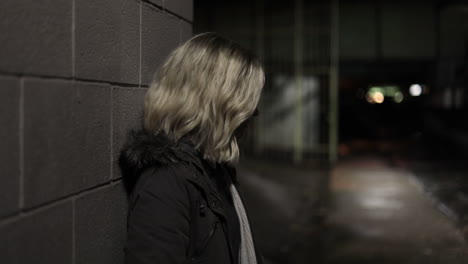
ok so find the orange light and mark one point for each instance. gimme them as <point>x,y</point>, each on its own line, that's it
<point>378,97</point>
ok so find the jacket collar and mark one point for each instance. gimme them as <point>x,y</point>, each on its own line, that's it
<point>144,149</point>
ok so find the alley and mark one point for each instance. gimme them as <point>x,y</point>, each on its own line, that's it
<point>379,214</point>
<point>371,213</point>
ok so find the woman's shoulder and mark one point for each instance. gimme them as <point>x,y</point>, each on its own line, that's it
<point>156,160</point>
<point>169,179</point>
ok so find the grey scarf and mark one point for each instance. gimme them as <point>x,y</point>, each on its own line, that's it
<point>247,250</point>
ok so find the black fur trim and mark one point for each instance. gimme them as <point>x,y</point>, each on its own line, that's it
<point>143,150</point>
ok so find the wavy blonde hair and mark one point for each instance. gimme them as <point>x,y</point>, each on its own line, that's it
<point>205,90</point>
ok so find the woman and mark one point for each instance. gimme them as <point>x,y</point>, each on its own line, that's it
<point>184,205</point>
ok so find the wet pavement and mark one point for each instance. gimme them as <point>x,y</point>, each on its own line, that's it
<point>380,214</point>
<point>363,211</point>
<point>446,184</point>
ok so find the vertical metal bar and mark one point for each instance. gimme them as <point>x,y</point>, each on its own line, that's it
<point>378,30</point>
<point>334,78</point>
<point>298,72</point>
<point>260,46</point>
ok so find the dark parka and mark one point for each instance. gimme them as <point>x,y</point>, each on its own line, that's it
<point>176,214</point>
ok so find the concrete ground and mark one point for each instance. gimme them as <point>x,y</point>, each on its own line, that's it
<point>285,205</point>
<point>376,213</point>
<point>379,214</point>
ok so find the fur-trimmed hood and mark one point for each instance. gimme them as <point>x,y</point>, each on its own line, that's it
<point>144,149</point>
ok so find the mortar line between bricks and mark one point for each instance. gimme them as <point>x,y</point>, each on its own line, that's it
<point>179,25</point>
<point>148,2</point>
<point>73,231</point>
<point>49,204</point>
<point>21,146</point>
<point>73,55</point>
<point>178,16</point>
<point>111,132</point>
<point>140,36</point>
<point>89,81</point>
<point>30,212</point>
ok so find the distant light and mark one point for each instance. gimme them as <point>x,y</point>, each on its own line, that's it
<point>415,90</point>
<point>378,97</point>
<point>398,97</point>
<point>375,97</point>
<point>391,90</point>
<point>375,89</point>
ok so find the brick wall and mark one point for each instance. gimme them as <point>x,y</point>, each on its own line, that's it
<point>72,79</point>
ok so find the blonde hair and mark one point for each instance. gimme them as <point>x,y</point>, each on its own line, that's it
<point>205,90</point>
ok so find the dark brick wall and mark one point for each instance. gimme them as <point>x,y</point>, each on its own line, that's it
<point>73,75</point>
